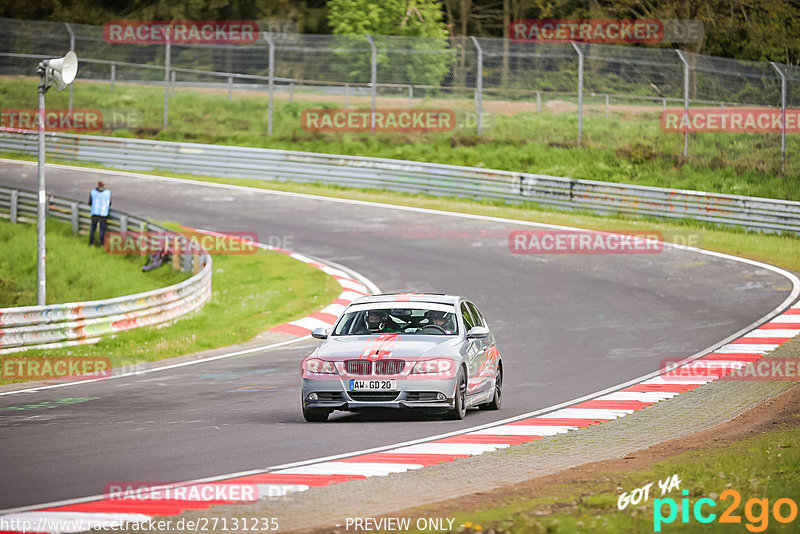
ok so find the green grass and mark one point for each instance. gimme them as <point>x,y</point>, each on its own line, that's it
<point>251,293</point>
<point>763,467</point>
<point>75,271</point>
<point>629,148</point>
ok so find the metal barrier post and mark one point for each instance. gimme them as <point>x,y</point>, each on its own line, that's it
<point>685,103</point>
<point>291,92</point>
<point>113,74</point>
<point>479,85</point>
<point>538,102</point>
<point>230,88</point>
<point>373,77</point>
<point>12,212</point>
<point>346,95</point>
<point>411,96</point>
<point>123,223</point>
<point>783,115</point>
<point>73,215</point>
<point>606,107</point>
<point>580,90</point>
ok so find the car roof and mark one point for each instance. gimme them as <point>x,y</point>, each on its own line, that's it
<point>439,298</point>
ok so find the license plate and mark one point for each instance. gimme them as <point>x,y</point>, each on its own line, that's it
<point>373,385</point>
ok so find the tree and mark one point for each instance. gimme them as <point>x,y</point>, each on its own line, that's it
<point>423,61</point>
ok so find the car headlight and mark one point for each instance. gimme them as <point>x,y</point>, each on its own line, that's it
<point>434,366</point>
<point>317,366</point>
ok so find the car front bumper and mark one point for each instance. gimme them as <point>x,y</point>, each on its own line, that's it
<point>410,394</point>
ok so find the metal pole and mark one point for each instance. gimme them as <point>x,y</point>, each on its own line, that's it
<point>72,49</point>
<point>580,91</point>
<point>373,78</point>
<point>113,74</point>
<point>538,102</point>
<point>167,54</point>
<point>685,103</point>
<point>411,96</point>
<point>41,212</point>
<point>271,81</point>
<point>606,107</point>
<point>783,115</point>
<point>291,91</point>
<point>173,77</point>
<point>230,88</point>
<point>479,85</point>
<point>346,95</point>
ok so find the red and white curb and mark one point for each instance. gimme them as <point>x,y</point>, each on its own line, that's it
<point>103,512</point>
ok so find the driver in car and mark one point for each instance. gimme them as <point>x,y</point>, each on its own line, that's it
<point>439,318</point>
<point>379,322</point>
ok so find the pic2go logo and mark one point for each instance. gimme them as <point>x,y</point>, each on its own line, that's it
<point>756,511</point>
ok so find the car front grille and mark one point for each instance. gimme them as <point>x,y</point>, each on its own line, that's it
<point>380,367</point>
<point>389,367</point>
<point>358,367</point>
<point>371,396</point>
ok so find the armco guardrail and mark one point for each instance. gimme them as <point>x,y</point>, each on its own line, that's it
<point>59,325</point>
<point>753,213</point>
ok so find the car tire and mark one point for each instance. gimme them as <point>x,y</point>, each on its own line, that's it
<point>315,415</point>
<point>497,401</point>
<point>459,410</point>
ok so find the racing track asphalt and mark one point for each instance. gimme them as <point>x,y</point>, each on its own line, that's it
<point>566,325</point>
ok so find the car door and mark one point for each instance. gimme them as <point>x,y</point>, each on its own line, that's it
<point>487,364</point>
<point>474,351</point>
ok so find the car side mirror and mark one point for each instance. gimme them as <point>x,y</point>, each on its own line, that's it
<point>320,333</point>
<point>478,332</point>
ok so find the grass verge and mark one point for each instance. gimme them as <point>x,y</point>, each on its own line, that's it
<point>75,271</point>
<point>251,293</point>
<point>628,147</point>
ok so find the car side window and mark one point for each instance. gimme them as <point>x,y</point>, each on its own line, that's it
<point>469,322</point>
<point>479,320</point>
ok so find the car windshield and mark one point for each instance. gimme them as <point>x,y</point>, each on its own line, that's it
<point>387,318</point>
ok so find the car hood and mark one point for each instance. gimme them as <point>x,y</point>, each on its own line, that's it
<point>400,347</point>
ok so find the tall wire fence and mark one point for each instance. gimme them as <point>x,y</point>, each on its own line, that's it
<point>482,76</point>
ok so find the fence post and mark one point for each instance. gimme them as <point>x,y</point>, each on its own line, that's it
<point>113,74</point>
<point>123,223</point>
<point>411,96</point>
<point>167,53</point>
<point>173,77</point>
<point>479,85</point>
<point>538,101</point>
<point>580,90</point>
<point>685,103</point>
<point>74,213</point>
<point>230,88</point>
<point>783,115</point>
<point>271,80</point>
<point>12,212</point>
<point>373,78</point>
<point>291,91</point>
<point>346,95</point>
<point>606,107</point>
<point>72,49</point>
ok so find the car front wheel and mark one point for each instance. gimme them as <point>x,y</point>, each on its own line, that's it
<point>459,410</point>
<point>315,415</point>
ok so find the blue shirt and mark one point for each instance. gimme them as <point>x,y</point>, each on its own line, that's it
<point>100,202</point>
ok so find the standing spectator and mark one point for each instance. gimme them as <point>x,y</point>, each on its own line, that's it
<point>100,202</point>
